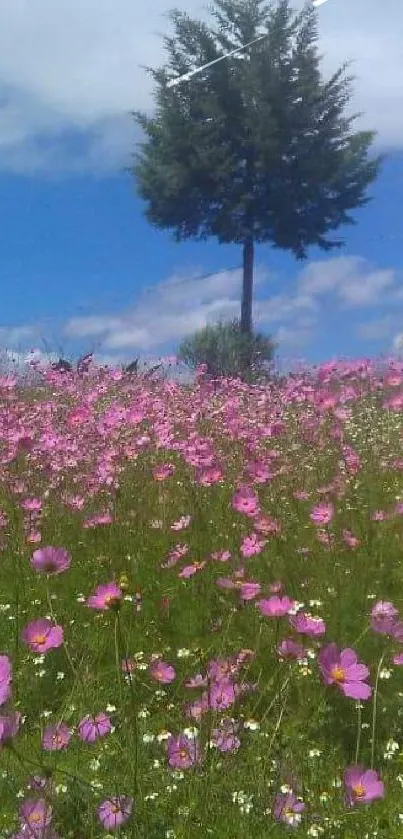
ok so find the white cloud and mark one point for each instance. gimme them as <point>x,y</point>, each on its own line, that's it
<point>351,279</point>
<point>73,66</point>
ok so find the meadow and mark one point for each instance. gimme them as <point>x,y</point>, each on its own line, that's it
<point>201,606</point>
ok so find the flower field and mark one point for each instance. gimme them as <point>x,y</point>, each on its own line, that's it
<point>201,606</point>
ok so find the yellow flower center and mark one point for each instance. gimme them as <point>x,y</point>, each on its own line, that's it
<point>40,638</point>
<point>34,818</point>
<point>183,753</point>
<point>359,791</point>
<point>338,674</point>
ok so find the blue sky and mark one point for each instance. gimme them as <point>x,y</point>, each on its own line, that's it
<point>81,269</point>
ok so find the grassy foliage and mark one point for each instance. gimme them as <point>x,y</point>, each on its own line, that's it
<point>202,505</point>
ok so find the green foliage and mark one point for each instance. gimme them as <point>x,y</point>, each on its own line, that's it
<point>257,147</point>
<point>227,351</point>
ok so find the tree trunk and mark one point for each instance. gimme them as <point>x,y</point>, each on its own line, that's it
<point>247,286</point>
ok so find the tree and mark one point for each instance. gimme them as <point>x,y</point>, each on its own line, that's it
<point>227,351</point>
<point>257,147</point>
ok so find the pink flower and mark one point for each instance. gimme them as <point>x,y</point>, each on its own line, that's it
<point>398,659</point>
<point>288,808</point>
<point>222,695</point>
<point>165,470</point>
<point>162,672</point>
<point>5,679</point>
<point>42,635</point>
<point>252,545</point>
<point>248,591</point>
<point>91,728</point>
<point>56,737</point>
<point>291,649</point>
<point>275,607</point>
<point>9,726</point>
<point>221,556</point>
<point>224,738</point>
<point>106,596</point>
<point>342,668</point>
<point>245,500</point>
<point>51,560</point>
<point>115,811</point>
<point>322,514</point>
<point>190,570</point>
<point>182,523</point>
<point>307,624</point>
<point>383,617</point>
<point>183,752</point>
<point>362,785</point>
<point>350,539</point>
<point>35,817</point>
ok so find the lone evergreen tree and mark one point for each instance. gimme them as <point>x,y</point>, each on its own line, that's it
<point>256,148</point>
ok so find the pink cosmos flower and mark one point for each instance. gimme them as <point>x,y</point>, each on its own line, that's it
<point>106,596</point>
<point>190,570</point>
<point>5,679</point>
<point>42,635</point>
<point>288,808</point>
<point>384,617</point>
<point>222,695</point>
<point>91,728</point>
<point>398,659</point>
<point>115,811</point>
<point>183,752</point>
<point>245,500</point>
<point>322,514</point>
<point>9,726</point>
<point>291,649</point>
<point>362,785</point>
<point>307,624</point>
<point>51,560</point>
<point>165,470</point>
<point>221,556</point>
<point>248,591</point>
<point>252,545</point>
<point>225,738</point>
<point>342,668</point>
<point>275,607</point>
<point>350,540</point>
<point>162,672</point>
<point>35,817</point>
<point>56,737</point>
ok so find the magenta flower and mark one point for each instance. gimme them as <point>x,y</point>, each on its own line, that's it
<point>42,635</point>
<point>115,811</point>
<point>275,607</point>
<point>56,737</point>
<point>35,817</point>
<point>362,785</point>
<point>162,672</point>
<point>383,617</point>
<point>322,514</point>
<point>342,668</point>
<point>248,591</point>
<point>106,597</point>
<point>291,649</point>
<point>5,679</point>
<point>91,728</point>
<point>9,726</point>
<point>222,695</point>
<point>245,500</point>
<point>224,738</point>
<point>307,624</point>
<point>183,752</point>
<point>288,808</point>
<point>51,560</point>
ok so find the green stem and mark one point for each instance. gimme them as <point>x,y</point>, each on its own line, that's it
<point>374,710</point>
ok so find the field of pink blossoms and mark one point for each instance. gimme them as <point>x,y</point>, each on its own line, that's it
<point>201,606</point>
